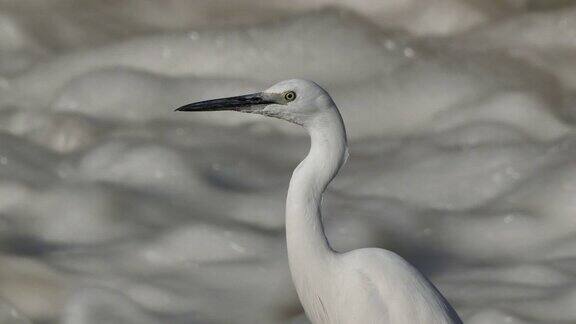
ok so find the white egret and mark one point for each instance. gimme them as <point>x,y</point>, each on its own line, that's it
<point>363,286</point>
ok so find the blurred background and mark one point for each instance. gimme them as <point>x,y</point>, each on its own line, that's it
<point>115,209</point>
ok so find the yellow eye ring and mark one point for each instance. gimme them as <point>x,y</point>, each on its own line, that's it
<point>290,95</point>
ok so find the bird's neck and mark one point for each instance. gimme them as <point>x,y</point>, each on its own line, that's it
<point>306,241</point>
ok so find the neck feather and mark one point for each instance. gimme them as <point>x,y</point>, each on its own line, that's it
<point>306,240</point>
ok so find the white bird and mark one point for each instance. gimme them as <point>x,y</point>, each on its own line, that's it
<point>363,286</point>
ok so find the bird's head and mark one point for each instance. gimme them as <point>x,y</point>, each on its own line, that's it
<point>297,101</point>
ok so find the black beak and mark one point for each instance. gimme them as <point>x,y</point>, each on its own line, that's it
<point>239,103</point>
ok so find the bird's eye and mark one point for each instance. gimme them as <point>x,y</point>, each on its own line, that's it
<point>290,95</point>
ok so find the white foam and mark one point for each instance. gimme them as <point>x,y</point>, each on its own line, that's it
<point>115,208</point>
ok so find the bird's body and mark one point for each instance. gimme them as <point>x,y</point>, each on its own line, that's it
<point>371,286</point>
<point>359,287</point>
